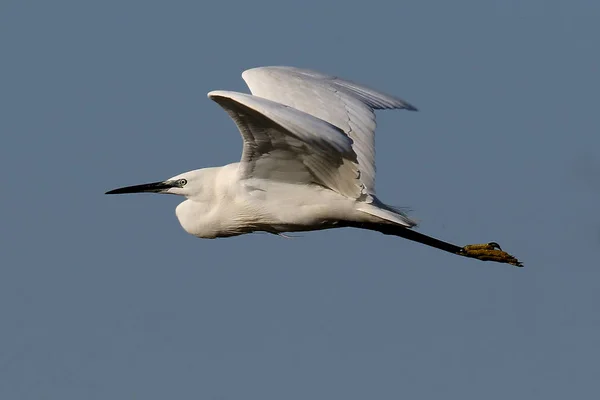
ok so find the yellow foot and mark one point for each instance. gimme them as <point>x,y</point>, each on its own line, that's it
<point>489,252</point>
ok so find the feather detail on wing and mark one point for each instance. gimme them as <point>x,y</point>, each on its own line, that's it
<point>285,144</point>
<point>344,104</point>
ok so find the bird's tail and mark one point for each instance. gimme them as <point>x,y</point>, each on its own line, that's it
<point>387,213</point>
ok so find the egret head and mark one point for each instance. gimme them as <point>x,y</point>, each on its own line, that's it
<point>186,184</point>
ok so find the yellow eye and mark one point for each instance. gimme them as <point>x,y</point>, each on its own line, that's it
<point>181,182</point>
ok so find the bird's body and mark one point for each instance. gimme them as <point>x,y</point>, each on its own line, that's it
<point>229,206</point>
<point>308,163</point>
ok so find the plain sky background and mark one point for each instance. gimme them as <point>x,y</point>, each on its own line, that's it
<point>106,297</point>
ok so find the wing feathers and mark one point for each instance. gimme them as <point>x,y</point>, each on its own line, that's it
<point>282,143</point>
<point>344,104</point>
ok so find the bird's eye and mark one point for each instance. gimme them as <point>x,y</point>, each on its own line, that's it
<point>181,182</point>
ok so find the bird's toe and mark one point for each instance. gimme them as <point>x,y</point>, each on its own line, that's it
<point>489,252</point>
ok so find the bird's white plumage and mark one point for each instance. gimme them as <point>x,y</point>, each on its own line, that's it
<point>308,159</point>
<point>344,104</point>
<point>308,163</point>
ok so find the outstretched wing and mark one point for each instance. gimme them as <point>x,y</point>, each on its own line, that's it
<point>288,145</point>
<point>344,104</point>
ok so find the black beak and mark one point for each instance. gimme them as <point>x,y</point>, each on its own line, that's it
<point>155,187</point>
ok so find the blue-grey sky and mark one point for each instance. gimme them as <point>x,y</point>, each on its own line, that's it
<point>106,297</point>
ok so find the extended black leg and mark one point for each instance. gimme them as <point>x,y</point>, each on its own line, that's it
<point>484,252</point>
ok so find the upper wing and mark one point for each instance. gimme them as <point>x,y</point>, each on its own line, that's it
<point>284,144</point>
<point>345,104</point>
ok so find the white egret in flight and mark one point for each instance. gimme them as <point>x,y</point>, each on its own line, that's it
<point>308,163</point>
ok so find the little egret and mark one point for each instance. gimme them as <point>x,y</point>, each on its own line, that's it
<point>308,163</point>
